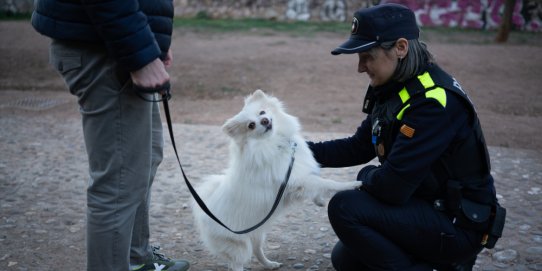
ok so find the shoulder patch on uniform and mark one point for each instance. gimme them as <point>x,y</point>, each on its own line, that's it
<point>438,94</point>
<point>407,131</point>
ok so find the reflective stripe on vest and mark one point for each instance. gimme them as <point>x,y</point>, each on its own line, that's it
<point>431,91</point>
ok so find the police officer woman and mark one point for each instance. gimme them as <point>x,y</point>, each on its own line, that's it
<point>431,203</point>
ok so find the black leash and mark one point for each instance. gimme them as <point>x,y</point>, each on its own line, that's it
<point>164,91</point>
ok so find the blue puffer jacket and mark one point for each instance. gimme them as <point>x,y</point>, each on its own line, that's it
<point>135,32</point>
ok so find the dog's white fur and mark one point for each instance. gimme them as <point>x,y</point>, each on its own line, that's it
<point>260,152</point>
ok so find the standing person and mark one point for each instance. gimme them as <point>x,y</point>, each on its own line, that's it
<point>431,203</point>
<point>103,49</point>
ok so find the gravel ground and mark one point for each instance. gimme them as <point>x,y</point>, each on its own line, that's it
<point>42,198</point>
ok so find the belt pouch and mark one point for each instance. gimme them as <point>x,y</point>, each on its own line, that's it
<point>497,226</point>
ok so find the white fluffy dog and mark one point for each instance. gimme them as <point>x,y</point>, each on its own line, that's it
<point>262,135</point>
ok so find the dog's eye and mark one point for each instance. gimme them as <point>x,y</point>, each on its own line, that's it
<point>262,113</point>
<point>252,125</point>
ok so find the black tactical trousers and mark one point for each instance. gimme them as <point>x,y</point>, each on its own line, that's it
<point>377,236</point>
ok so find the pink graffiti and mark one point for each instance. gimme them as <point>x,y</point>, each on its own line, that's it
<point>496,9</point>
<point>479,14</point>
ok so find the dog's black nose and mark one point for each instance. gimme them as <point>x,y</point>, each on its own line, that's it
<point>264,121</point>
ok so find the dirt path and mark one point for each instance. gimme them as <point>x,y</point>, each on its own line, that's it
<point>212,71</point>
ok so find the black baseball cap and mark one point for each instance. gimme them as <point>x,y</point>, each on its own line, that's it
<point>377,24</point>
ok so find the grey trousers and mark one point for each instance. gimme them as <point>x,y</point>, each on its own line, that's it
<point>124,143</point>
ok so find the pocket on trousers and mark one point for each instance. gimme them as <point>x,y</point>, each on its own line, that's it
<point>65,64</point>
<point>67,60</point>
<point>69,67</point>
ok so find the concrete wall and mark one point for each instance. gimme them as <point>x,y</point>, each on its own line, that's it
<point>479,14</point>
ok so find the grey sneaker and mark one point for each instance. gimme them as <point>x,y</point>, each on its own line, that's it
<point>159,262</point>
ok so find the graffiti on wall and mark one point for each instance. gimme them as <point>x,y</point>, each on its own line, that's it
<point>330,10</point>
<point>478,14</point>
<point>481,14</point>
<point>333,10</point>
<point>532,14</point>
<point>298,10</point>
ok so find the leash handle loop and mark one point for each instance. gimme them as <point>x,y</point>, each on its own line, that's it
<point>163,90</point>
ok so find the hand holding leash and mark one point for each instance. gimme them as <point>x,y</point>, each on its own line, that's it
<point>151,75</point>
<point>150,79</point>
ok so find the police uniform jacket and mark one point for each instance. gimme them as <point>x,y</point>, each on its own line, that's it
<point>134,32</point>
<point>434,122</point>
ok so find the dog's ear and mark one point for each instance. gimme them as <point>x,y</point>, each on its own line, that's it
<point>233,126</point>
<point>257,95</point>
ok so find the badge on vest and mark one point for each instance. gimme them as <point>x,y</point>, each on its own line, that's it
<point>378,128</point>
<point>407,131</point>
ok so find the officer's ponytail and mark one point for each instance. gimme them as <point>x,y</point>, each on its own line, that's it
<point>414,63</point>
